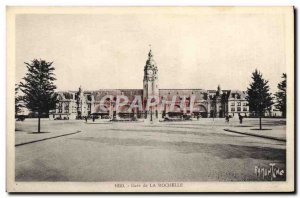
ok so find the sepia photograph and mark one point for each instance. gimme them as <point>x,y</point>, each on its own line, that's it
<point>150,99</point>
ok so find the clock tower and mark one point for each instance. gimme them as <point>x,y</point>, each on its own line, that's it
<point>150,84</point>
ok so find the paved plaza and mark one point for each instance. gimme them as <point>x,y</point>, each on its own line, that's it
<point>169,151</point>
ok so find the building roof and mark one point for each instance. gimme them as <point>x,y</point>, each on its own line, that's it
<point>65,95</point>
<point>234,92</point>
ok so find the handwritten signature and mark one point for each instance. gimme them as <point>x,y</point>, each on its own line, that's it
<point>271,172</point>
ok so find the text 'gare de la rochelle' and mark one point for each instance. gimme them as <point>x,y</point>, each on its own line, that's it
<point>141,103</point>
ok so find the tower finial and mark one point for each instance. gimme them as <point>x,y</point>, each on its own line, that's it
<point>150,51</point>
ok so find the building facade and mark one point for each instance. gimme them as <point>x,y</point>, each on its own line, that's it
<point>172,102</point>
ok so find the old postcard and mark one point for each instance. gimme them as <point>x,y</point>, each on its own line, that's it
<point>150,99</point>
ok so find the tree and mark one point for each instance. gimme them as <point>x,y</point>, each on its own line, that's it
<point>224,101</point>
<point>39,88</point>
<point>259,98</point>
<point>18,100</point>
<point>281,96</point>
<point>213,112</point>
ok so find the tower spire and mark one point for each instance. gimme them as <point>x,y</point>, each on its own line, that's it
<point>219,90</point>
<point>150,51</point>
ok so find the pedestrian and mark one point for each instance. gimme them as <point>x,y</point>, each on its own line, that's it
<point>241,118</point>
<point>93,118</point>
<point>226,119</point>
<point>86,119</point>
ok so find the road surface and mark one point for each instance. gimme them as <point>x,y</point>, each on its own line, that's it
<point>179,151</point>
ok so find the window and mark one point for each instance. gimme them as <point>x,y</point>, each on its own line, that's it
<point>244,108</point>
<point>60,107</point>
<point>238,108</point>
<point>89,97</point>
<point>232,109</point>
<point>239,104</point>
<point>232,104</point>
<point>74,109</point>
<point>67,108</point>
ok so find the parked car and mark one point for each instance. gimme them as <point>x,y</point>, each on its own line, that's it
<point>187,117</point>
<point>106,117</point>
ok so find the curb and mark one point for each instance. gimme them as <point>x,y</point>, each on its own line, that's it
<point>24,143</point>
<point>97,123</point>
<point>254,135</point>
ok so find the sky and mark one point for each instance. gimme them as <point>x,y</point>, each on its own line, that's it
<point>109,51</point>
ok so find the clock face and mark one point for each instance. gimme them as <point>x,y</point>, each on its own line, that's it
<point>150,72</point>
